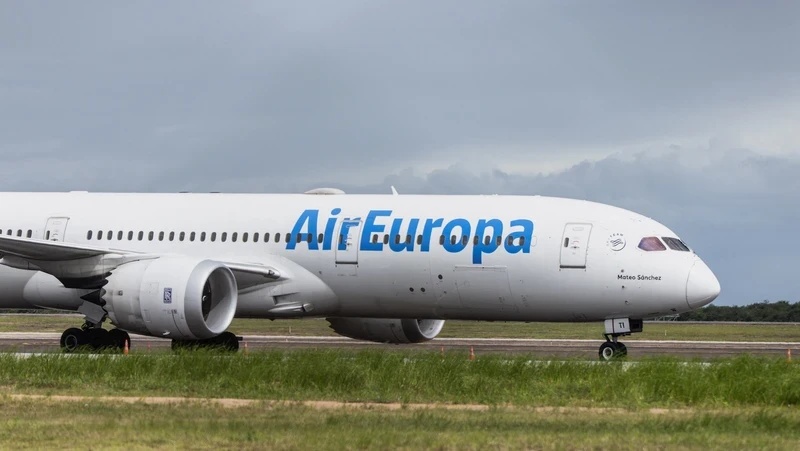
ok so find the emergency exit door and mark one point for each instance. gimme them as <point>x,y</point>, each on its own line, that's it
<point>574,245</point>
<point>55,229</point>
<point>347,241</point>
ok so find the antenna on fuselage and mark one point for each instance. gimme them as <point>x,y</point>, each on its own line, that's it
<point>394,191</point>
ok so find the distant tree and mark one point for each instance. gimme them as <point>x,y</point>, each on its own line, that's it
<point>764,311</point>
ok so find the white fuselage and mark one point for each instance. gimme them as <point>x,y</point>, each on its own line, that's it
<point>568,260</point>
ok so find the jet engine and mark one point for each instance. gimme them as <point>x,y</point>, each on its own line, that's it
<point>172,297</point>
<point>387,330</point>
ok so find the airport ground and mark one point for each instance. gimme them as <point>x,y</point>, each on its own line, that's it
<point>305,389</point>
<point>359,399</point>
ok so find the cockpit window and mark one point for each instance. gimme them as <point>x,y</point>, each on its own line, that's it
<point>651,243</point>
<point>675,244</point>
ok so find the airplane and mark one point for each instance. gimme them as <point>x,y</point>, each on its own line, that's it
<point>382,268</point>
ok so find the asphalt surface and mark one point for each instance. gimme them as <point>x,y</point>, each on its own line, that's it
<point>49,342</point>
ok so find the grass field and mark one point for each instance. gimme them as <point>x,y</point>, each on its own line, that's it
<point>54,425</point>
<point>472,329</point>
<point>740,403</point>
<point>411,376</point>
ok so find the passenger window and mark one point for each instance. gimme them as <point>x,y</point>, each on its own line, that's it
<point>299,238</point>
<point>151,235</point>
<point>89,235</point>
<point>48,235</point>
<point>19,233</point>
<point>441,240</point>
<point>397,239</point>
<point>522,241</point>
<point>234,236</point>
<point>566,242</point>
<point>119,235</point>
<point>192,236</point>
<point>385,239</point>
<point>499,240</point>
<point>309,238</point>
<point>651,243</point>
<point>182,236</point>
<point>99,234</point>
<point>464,240</point>
<point>141,235</point>
<point>278,237</point>
<point>510,240</point>
<point>408,239</point>
<point>160,236</point>
<point>245,236</point>
<point>30,233</point>
<point>419,240</point>
<point>255,237</point>
<point>266,237</point>
<point>172,236</point>
<point>453,239</point>
<point>224,237</point>
<point>109,235</point>
<point>202,237</point>
<point>321,238</point>
<point>374,239</point>
<point>288,237</point>
<point>487,241</point>
<point>130,235</point>
<point>475,240</point>
<point>213,236</point>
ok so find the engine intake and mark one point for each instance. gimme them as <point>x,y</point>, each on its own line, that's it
<point>387,330</point>
<point>172,297</point>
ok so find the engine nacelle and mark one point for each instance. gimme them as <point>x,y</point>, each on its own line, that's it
<point>387,330</point>
<point>172,297</point>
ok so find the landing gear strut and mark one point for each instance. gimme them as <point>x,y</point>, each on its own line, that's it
<point>615,328</point>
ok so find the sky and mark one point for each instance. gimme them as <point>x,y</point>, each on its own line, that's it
<point>685,111</point>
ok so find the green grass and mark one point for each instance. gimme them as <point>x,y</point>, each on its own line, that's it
<point>43,424</point>
<point>411,377</point>
<point>472,329</point>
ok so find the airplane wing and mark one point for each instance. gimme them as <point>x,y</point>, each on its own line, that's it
<point>69,260</point>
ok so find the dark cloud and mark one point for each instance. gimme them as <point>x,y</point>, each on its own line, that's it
<point>268,96</point>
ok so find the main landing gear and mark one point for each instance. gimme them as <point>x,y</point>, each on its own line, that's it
<point>91,335</point>
<point>615,328</point>
<point>226,341</point>
<point>94,337</point>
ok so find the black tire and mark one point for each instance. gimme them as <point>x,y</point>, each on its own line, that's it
<point>117,338</point>
<point>228,341</point>
<point>623,350</point>
<point>72,339</point>
<point>609,351</point>
<point>97,338</point>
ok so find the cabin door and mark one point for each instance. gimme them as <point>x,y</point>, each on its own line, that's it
<point>574,245</point>
<point>55,229</point>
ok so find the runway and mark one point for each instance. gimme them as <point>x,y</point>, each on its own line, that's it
<point>44,342</point>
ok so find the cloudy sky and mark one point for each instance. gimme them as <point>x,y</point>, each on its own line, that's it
<point>686,111</point>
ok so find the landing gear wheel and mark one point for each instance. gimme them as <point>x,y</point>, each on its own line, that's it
<point>228,341</point>
<point>72,339</point>
<point>117,338</point>
<point>97,338</point>
<point>610,350</point>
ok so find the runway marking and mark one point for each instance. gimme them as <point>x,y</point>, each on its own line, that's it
<point>335,405</point>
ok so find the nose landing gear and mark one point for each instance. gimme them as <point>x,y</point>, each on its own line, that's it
<point>615,328</point>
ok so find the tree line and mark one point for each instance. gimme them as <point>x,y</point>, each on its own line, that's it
<point>780,311</point>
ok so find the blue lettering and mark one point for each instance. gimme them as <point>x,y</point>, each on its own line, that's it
<point>371,228</point>
<point>306,223</point>
<point>482,248</point>
<point>459,245</point>
<point>404,243</point>
<point>427,231</point>
<point>521,238</point>
<point>326,243</point>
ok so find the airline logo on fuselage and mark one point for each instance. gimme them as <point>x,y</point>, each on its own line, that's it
<point>380,222</point>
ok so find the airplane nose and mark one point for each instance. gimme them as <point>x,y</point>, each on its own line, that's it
<point>702,287</point>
